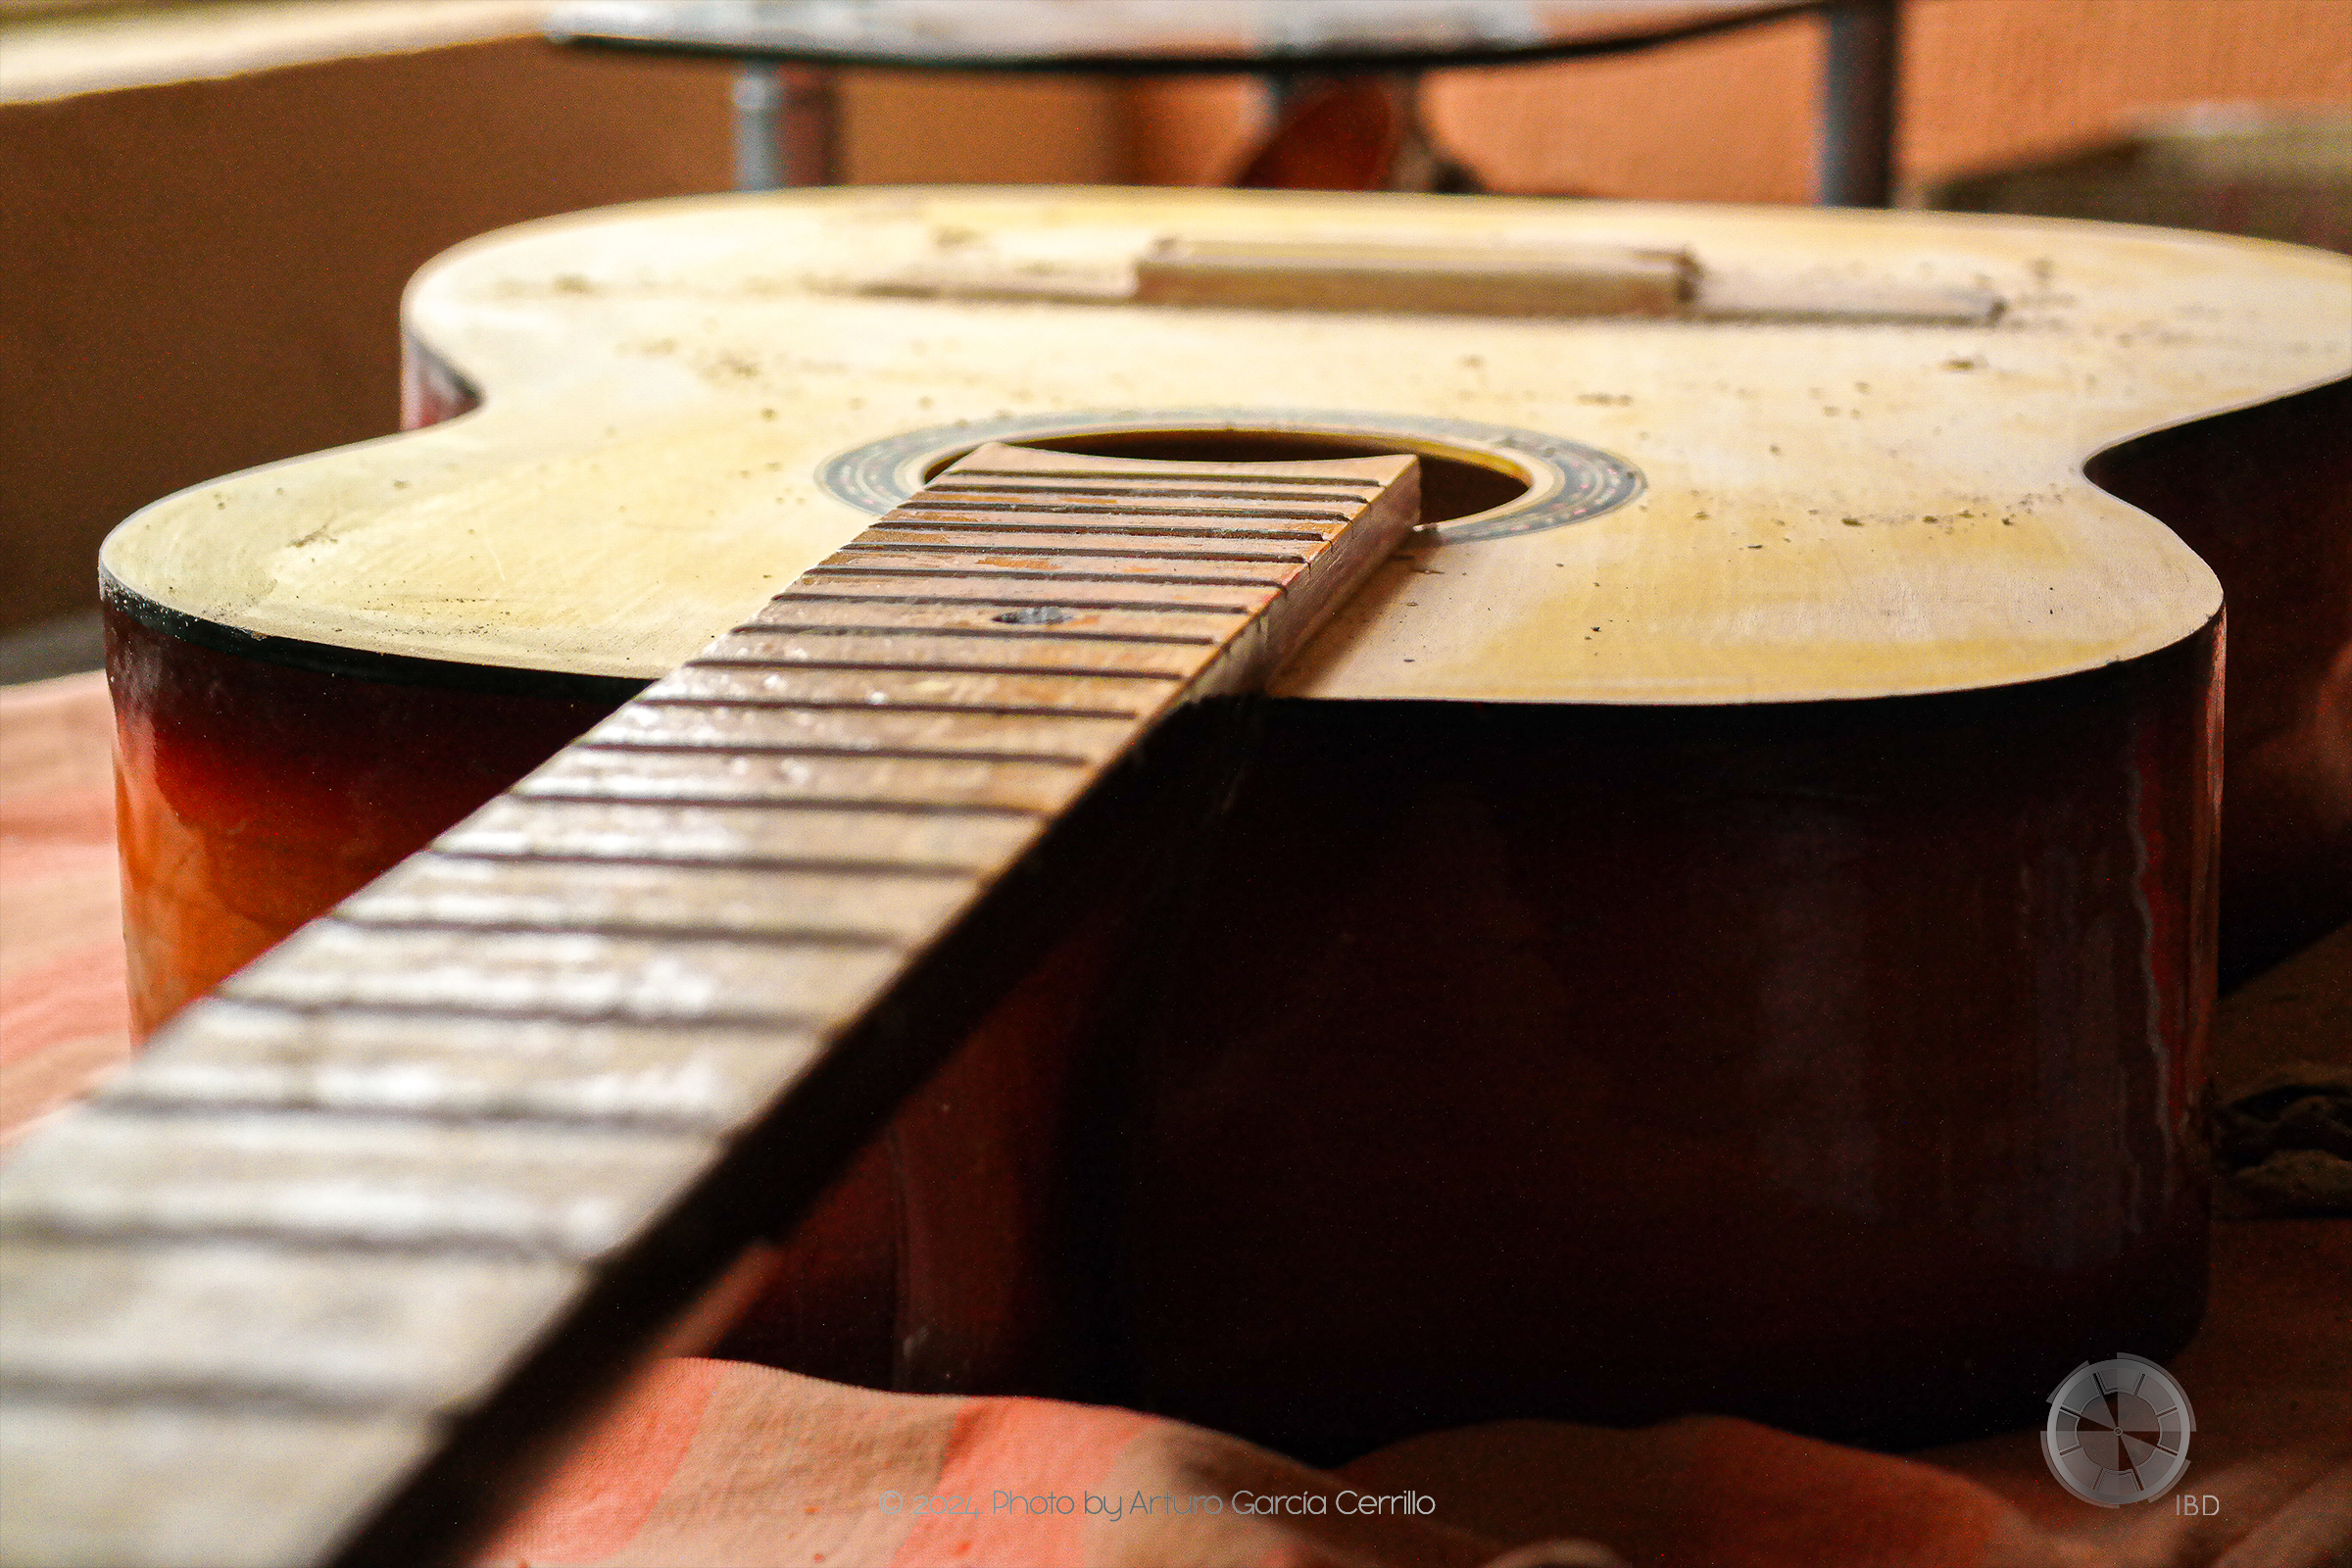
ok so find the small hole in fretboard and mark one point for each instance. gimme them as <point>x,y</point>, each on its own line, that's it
<point>1034,616</point>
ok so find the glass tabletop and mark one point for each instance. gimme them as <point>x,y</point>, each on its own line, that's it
<point>1152,35</point>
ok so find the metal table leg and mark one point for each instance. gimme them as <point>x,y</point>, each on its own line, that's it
<point>1855,163</point>
<point>787,126</point>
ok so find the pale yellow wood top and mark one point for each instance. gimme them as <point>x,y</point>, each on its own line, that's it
<point>1832,511</point>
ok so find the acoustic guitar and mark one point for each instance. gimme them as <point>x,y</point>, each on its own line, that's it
<point>1723,916</point>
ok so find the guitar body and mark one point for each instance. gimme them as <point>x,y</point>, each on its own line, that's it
<point>1725,921</point>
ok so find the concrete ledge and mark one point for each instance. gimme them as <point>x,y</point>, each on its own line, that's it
<point>56,57</point>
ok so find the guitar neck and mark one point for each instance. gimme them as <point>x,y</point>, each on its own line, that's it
<point>386,1213</point>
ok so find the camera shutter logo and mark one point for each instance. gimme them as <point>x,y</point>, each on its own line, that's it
<point>2118,1431</point>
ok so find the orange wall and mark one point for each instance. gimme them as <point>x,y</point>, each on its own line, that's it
<point>1730,118</point>
<point>205,275</point>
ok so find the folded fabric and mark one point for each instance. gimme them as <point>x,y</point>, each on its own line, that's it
<point>718,1462</point>
<point>2284,1140</point>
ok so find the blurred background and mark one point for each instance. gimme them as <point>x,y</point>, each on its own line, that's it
<point>209,210</point>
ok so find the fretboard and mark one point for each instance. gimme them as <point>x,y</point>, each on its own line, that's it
<point>383,1213</point>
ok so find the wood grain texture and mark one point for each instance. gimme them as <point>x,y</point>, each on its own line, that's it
<point>212,1320</point>
<point>243,1518</point>
<point>1829,511</point>
<point>485,1125</point>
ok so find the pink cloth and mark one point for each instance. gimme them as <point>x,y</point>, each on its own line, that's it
<point>65,1018</point>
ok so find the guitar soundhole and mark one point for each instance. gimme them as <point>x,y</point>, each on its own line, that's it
<point>1450,487</point>
<point>1034,616</point>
